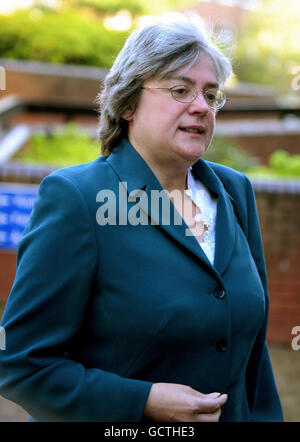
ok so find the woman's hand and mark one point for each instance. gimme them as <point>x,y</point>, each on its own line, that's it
<point>180,403</point>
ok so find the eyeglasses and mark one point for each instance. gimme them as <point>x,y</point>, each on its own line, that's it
<point>215,98</point>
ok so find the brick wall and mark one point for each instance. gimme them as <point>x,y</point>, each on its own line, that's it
<point>279,216</point>
<point>7,272</point>
<point>262,146</point>
<point>65,84</point>
<point>260,138</point>
<point>79,85</point>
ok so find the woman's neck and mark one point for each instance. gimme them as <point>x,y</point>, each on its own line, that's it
<point>171,179</point>
<point>171,174</point>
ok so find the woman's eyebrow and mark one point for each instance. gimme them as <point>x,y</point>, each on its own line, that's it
<point>191,81</point>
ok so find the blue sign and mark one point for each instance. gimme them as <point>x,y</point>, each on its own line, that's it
<point>16,204</point>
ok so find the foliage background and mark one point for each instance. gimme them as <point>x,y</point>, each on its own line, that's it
<point>58,37</point>
<point>267,47</point>
<point>72,145</point>
<point>264,50</point>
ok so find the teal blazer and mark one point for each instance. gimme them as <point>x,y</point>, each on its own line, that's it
<point>97,313</point>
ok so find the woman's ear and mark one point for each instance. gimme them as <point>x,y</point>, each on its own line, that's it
<point>128,115</point>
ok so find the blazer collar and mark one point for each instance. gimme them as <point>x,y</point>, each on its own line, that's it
<point>131,168</point>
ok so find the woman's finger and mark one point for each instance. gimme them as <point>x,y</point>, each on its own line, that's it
<point>209,409</point>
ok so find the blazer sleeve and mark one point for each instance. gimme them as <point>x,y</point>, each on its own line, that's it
<point>262,393</point>
<point>56,265</point>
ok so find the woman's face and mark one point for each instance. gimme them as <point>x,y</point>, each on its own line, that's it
<point>163,130</point>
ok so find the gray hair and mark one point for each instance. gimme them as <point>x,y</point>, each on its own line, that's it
<point>157,50</point>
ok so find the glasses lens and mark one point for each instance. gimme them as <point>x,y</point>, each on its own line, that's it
<point>215,98</point>
<point>183,93</point>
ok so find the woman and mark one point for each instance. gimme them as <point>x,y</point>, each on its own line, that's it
<point>119,312</point>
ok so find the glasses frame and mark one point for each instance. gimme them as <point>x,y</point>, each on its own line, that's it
<point>196,93</point>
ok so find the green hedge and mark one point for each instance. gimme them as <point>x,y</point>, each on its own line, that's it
<point>65,147</point>
<point>71,145</point>
<point>281,164</point>
<point>135,7</point>
<point>64,37</point>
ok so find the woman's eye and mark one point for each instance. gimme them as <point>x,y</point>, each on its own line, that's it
<point>211,96</point>
<point>181,91</point>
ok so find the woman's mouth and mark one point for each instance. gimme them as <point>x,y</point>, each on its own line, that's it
<point>193,130</point>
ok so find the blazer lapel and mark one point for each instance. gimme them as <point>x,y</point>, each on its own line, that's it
<point>133,171</point>
<point>225,219</point>
<point>173,223</point>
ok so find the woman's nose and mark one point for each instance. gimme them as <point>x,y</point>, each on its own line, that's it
<point>199,105</point>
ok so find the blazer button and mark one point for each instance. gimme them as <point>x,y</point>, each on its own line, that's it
<point>219,293</point>
<point>221,345</point>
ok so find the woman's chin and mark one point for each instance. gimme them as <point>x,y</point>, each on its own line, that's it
<point>191,155</point>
